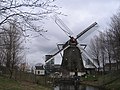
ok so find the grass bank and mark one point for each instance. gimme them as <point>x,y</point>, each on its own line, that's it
<point>110,81</point>
<point>10,84</point>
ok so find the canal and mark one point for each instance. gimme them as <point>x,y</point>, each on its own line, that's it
<point>75,87</point>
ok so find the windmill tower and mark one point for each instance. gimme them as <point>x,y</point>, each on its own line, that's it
<point>72,59</point>
<point>72,63</point>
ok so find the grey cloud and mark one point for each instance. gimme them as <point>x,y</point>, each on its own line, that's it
<point>81,13</point>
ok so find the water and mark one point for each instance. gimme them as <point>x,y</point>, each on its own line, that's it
<point>75,87</point>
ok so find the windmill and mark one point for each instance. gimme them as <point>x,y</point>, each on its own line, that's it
<point>72,63</point>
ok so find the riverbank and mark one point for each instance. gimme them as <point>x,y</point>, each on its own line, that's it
<point>110,81</point>
<point>10,84</point>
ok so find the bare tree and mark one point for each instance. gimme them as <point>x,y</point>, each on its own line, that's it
<point>115,31</point>
<point>29,13</point>
<point>13,47</point>
<point>110,47</point>
<point>107,45</point>
<point>102,49</point>
<point>95,50</point>
<point>2,48</point>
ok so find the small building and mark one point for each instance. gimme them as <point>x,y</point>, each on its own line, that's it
<point>112,65</point>
<point>90,69</point>
<point>39,69</point>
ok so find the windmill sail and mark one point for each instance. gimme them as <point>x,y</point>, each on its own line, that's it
<point>63,27</point>
<point>86,30</point>
<point>57,53</point>
<point>88,56</point>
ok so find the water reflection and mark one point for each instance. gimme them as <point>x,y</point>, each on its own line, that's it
<point>75,87</point>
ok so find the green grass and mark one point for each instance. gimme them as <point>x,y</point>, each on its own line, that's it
<point>89,78</point>
<point>114,85</point>
<point>9,84</point>
<point>110,81</point>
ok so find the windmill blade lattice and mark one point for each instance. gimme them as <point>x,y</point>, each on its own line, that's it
<point>86,30</point>
<point>63,27</point>
<point>88,56</point>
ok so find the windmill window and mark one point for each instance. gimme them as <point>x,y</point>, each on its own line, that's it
<point>38,72</point>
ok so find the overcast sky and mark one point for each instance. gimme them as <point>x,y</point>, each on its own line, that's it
<point>80,14</point>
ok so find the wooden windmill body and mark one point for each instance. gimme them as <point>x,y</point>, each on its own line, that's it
<point>72,60</point>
